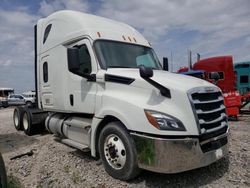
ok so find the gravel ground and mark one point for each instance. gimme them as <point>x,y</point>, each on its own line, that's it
<point>56,165</point>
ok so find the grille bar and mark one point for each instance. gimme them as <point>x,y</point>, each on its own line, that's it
<point>219,119</point>
<point>199,111</point>
<point>206,131</point>
<point>210,101</point>
<point>209,109</point>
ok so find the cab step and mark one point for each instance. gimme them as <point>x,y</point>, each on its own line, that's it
<point>74,144</point>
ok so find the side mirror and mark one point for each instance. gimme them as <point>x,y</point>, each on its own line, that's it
<point>146,72</point>
<point>165,63</point>
<point>73,59</point>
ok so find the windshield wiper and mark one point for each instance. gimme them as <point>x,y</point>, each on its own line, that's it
<point>117,66</point>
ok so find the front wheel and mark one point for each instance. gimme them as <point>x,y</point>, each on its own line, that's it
<point>117,151</point>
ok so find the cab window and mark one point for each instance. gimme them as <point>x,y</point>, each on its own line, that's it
<point>46,33</point>
<point>85,60</point>
<point>221,74</point>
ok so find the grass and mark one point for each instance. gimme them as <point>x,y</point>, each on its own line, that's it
<point>39,186</point>
<point>75,177</point>
<point>66,168</point>
<point>13,182</point>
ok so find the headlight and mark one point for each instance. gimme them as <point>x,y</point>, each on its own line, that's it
<point>163,121</point>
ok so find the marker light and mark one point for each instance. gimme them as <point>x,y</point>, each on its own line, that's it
<point>99,34</point>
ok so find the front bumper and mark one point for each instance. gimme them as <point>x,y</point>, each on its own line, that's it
<point>178,155</point>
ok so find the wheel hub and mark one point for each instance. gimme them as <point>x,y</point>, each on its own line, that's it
<point>114,151</point>
<point>16,118</point>
<point>25,122</point>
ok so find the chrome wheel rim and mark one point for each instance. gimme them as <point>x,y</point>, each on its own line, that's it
<point>16,118</point>
<point>25,122</point>
<point>115,152</point>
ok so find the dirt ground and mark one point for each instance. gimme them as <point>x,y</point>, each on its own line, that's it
<point>56,165</point>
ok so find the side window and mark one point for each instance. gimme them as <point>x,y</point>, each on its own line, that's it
<point>46,33</point>
<point>45,72</point>
<point>221,74</point>
<point>20,97</point>
<point>244,79</point>
<point>85,60</point>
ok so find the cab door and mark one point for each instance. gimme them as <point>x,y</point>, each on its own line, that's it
<point>45,82</point>
<point>82,86</point>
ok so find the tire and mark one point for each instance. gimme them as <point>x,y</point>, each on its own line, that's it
<point>29,103</point>
<point>17,117</point>
<point>28,128</point>
<point>3,176</point>
<point>117,152</point>
<point>5,104</point>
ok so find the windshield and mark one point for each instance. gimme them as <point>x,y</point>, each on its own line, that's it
<point>113,54</point>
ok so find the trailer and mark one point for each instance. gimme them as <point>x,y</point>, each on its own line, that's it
<point>100,86</point>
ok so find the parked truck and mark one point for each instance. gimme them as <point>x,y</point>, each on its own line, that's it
<point>99,85</point>
<point>242,70</point>
<point>223,65</point>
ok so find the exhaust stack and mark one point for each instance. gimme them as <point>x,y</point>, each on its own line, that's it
<point>198,57</point>
<point>190,59</point>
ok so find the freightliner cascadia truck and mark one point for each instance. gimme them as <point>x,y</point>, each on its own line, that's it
<point>100,86</point>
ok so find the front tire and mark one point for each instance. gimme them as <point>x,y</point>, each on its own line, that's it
<point>117,152</point>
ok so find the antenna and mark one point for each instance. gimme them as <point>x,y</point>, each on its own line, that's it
<point>171,60</point>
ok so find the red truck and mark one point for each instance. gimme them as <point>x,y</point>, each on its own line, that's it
<point>223,65</point>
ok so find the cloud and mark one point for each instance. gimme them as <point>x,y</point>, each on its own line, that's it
<point>17,41</point>
<point>216,22</point>
<point>210,27</point>
<point>16,50</point>
<point>6,63</point>
<point>48,7</point>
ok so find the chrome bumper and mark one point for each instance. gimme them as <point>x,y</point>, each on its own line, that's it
<point>176,155</point>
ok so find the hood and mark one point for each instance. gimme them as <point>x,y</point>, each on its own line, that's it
<point>29,98</point>
<point>165,78</point>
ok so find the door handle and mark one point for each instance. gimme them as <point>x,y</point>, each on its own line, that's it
<point>71,99</point>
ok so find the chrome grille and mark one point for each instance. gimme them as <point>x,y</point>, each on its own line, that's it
<point>209,109</point>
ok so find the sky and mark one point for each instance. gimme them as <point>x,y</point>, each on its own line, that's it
<point>208,27</point>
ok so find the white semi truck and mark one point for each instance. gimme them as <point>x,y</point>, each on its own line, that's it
<point>99,85</point>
